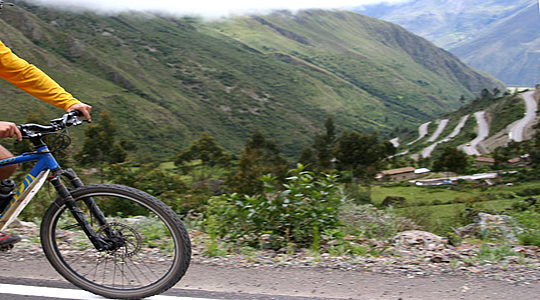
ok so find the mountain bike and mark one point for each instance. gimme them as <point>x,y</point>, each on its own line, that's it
<point>108,239</point>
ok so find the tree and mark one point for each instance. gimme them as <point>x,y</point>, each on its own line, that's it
<point>535,147</point>
<point>308,158</point>
<point>451,160</point>
<point>486,94</point>
<point>260,157</point>
<point>100,146</point>
<point>360,153</point>
<point>319,156</point>
<point>206,150</point>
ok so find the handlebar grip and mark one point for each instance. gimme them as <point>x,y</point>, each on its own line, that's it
<point>76,113</point>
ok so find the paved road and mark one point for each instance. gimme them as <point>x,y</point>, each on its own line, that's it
<point>422,131</point>
<point>241,283</point>
<point>437,133</point>
<point>427,151</point>
<point>516,133</point>
<point>483,131</point>
<point>49,290</point>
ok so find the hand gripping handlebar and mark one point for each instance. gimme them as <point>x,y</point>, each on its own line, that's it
<point>35,130</point>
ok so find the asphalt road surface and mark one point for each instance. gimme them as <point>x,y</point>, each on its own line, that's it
<point>483,132</point>
<point>516,133</point>
<point>241,283</point>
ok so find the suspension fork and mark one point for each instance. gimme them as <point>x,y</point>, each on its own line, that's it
<point>99,243</point>
<point>89,201</point>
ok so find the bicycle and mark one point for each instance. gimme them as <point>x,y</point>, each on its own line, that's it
<point>85,233</point>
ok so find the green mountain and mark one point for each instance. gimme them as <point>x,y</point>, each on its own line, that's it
<point>500,37</point>
<point>167,79</point>
<point>508,50</point>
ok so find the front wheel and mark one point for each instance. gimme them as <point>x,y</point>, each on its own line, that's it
<point>152,248</point>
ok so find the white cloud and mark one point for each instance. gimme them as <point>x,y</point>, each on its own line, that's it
<point>202,7</point>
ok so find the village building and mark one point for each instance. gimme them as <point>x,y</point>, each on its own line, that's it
<point>401,174</point>
<point>481,161</point>
<point>518,162</point>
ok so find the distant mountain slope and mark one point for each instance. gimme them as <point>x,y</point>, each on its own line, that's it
<point>509,50</point>
<point>496,36</point>
<point>166,80</point>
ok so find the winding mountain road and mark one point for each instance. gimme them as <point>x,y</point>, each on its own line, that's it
<point>516,132</point>
<point>427,151</point>
<point>483,132</point>
<point>437,133</point>
<point>422,131</point>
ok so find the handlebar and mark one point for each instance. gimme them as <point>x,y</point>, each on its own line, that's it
<point>36,130</point>
<point>2,4</point>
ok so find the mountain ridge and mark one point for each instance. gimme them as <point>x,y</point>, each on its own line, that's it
<point>166,80</point>
<point>500,37</point>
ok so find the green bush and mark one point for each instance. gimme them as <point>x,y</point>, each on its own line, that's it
<point>369,222</point>
<point>166,186</point>
<point>529,192</point>
<point>529,222</point>
<point>489,253</point>
<point>290,213</point>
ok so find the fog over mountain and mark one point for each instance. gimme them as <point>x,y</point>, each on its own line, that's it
<point>207,8</point>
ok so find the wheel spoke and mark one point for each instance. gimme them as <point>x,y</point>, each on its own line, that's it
<point>144,246</point>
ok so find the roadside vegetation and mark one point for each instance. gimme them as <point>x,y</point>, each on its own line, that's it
<point>324,201</point>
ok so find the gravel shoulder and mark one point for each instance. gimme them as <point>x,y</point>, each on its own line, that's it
<point>330,277</point>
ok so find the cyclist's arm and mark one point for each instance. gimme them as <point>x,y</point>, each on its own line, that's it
<point>32,80</point>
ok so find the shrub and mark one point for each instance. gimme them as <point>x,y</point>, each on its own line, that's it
<point>293,212</point>
<point>166,186</point>
<point>489,253</point>
<point>369,222</point>
<point>529,223</point>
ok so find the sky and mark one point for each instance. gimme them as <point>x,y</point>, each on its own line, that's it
<point>208,8</point>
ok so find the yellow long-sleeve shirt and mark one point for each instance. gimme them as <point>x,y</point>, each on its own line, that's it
<point>32,80</point>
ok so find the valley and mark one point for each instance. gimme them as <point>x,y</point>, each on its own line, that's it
<point>499,37</point>
<point>167,80</point>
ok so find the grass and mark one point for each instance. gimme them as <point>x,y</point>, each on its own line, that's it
<point>418,195</point>
<point>439,209</point>
<point>444,194</point>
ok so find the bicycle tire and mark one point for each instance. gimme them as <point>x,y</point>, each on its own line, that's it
<point>146,247</point>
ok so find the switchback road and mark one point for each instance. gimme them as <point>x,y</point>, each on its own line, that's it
<point>516,133</point>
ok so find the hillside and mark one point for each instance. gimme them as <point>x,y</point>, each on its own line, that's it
<point>166,80</point>
<point>499,37</point>
<point>504,118</point>
<point>509,49</point>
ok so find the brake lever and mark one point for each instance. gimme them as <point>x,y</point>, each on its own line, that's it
<point>2,5</point>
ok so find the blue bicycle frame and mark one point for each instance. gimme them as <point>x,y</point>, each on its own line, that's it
<point>32,183</point>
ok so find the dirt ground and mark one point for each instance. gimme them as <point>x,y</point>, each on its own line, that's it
<point>313,282</point>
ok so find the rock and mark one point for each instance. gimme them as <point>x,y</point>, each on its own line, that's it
<point>414,238</point>
<point>497,226</point>
<point>467,231</point>
<point>528,251</point>
<point>439,258</point>
<point>26,228</point>
<point>393,201</point>
<point>137,219</point>
<point>490,226</point>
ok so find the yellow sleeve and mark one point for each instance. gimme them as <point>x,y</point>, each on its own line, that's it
<point>32,80</point>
